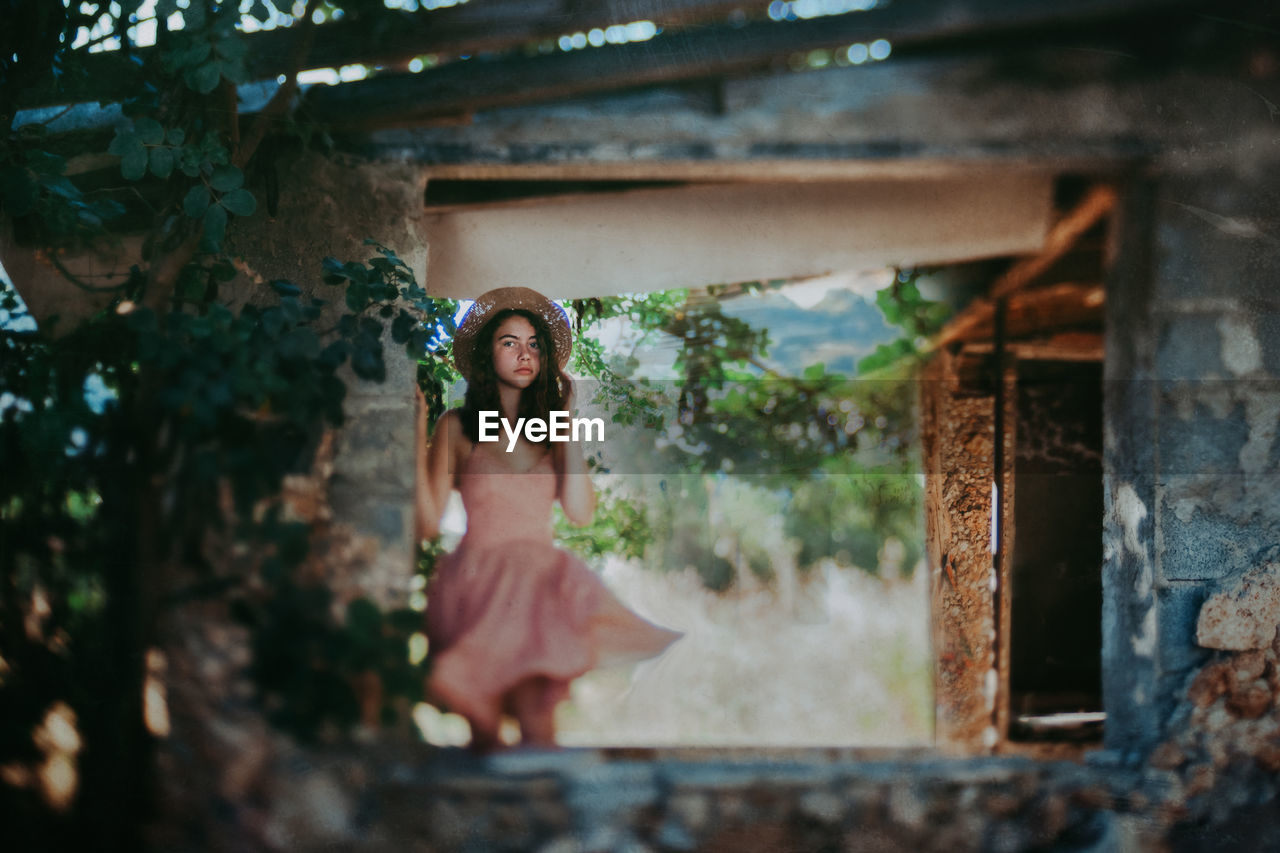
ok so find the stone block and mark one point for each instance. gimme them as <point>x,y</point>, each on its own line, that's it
<point>375,448</point>
<point>1188,347</point>
<point>1201,543</point>
<point>1212,238</point>
<point>1243,615</point>
<point>1203,426</point>
<point>388,520</point>
<point>1177,607</point>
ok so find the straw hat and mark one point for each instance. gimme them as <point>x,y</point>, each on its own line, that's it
<point>489,304</point>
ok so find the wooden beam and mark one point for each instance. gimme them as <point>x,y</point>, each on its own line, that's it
<point>1066,346</point>
<point>976,320</point>
<point>1031,311</point>
<point>1097,203</point>
<point>698,54</point>
<point>733,43</point>
<point>391,37</point>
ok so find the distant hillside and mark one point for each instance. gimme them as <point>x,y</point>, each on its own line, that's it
<point>838,331</point>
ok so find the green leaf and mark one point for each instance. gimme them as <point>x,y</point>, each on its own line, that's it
<point>215,224</point>
<point>814,372</point>
<point>239,202</point>
<point>334,354</point>
<point>291,309</point>
<point>368,364</point>
<point>192,54</point>
<point>191,289</point>
<point>189,162</point>
<point>204,78</point>
<point>162,162</point>
<point>226,178</point>
<point>175,136</point>
<point>401,327</point>
<point>273,322</point>
<point>123,142</point>
<point>285,288</point>
<point>194,15</point>
<point>299,343</point>
<point>133,165</point>
<point>149,131</point>
<point>196,201</point>
<point>357,297</point>
<point>261,11</point>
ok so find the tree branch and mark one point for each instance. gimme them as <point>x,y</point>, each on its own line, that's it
<point>279,102</point>
<point>165,271</point>
<point>81,283</point>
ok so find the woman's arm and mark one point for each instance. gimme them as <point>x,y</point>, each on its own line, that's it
<point>434,468</point>
<point>575,490</point>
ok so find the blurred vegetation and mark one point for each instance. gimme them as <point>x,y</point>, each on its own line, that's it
<point>151,441</point>
<point>740,449</point>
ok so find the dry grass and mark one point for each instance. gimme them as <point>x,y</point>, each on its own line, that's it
<point>843,660</point>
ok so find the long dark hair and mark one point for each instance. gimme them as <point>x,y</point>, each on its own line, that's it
<point>548,391</point>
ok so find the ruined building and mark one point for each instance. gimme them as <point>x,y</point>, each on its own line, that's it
<point>1099,424</point>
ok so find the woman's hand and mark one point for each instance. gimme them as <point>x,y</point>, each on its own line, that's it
<point>575,490</point>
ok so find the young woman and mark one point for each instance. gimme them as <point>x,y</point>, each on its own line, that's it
<point>511,619</point>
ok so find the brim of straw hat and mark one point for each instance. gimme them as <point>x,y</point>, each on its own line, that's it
<point>489,304</point>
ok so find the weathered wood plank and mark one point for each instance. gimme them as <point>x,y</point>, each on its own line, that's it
<point>1097,204</point>
<point>733,42</point>
<point>393,37</point>
<point>462,87</point>
<point>1029,312</point>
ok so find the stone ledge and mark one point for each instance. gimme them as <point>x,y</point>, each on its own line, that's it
<point>427,799</point>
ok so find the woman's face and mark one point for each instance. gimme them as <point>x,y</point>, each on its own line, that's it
<point>516,356</point>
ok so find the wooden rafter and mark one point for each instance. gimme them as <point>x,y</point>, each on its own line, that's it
<point>977,319</point>
<point>695,54</point>
<point>707,44</point>
<point>1062,237</point>
<point>392,37</point>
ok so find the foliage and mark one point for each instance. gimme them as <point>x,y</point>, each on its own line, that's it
<point>919,318</point>
<point>168,421</point>
<point>620,526</point>
<point>830,454</point>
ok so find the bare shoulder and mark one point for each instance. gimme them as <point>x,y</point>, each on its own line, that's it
<point>450,422</point>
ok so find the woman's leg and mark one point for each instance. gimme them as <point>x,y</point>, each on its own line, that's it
<point>533,703</point>
<point>483,719</point>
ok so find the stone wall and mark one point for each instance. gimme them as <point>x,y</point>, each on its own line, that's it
<point>1191,456</point>
<point>1192,403</point>
<point>413,799</point>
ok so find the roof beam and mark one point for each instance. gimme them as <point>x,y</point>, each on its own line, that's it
<point>977,319</point>
<point>459,88</point>
<point>694,52</point>
<point>392,37</point>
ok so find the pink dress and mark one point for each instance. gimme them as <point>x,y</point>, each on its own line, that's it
<point>508,605</point>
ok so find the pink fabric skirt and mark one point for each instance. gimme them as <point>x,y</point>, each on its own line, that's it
<point>522,609</point>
